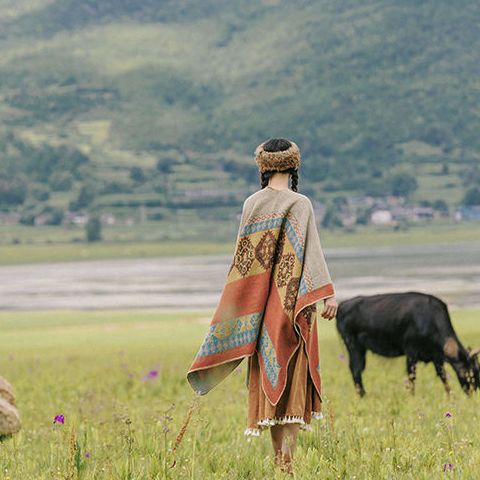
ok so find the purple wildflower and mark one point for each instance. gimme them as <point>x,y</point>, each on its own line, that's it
<point>151,375</point>
<point>447,467</point>
<point>448,415</point>
<point>87,454</point>
<point>59,419</point>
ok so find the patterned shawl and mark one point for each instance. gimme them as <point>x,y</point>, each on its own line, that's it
<point>277,275</point>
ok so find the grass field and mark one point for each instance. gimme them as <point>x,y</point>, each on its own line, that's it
<point>92,367</point>
<point>52,244</point>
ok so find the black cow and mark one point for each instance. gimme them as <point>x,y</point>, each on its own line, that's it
<point>411,323</point>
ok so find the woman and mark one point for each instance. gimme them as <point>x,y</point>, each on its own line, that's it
<point>267,309</point>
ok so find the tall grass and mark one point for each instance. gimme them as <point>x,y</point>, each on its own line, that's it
<point>122,423</point>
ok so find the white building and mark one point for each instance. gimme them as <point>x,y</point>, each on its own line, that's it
<point>381,217</point>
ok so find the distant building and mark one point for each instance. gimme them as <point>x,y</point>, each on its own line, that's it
<point>348,219</point>
<point>9,218</point>
<point>394,200</point>
<point>423,213</point>
<point>381,217</point>
<point>412,213</point>
<point>75,218</point>
<point>468,212</point>
<point>108,219</point>
<point>43,219</point>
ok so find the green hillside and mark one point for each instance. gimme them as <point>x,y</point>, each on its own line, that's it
<point>120,103</point>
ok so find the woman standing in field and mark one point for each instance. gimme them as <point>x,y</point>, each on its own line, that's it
<point>267,310</point>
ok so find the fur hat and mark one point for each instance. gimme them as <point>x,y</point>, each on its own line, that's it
<point>277,161</point>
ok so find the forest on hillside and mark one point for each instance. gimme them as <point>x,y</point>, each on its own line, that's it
<point>115,105</point>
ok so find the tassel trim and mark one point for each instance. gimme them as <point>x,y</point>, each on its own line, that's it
<point>269,422</point>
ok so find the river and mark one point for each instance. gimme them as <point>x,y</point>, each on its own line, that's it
<point>450,271</point>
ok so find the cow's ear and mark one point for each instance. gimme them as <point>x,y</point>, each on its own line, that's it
<point>473,353</point>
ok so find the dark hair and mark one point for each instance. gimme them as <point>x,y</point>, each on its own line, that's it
<point>276,145</point>
<point>279,145</point>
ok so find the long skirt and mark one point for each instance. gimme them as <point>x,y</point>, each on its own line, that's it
<point>299,403</point>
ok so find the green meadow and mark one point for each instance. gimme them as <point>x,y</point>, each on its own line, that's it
<point>53,244</point>
<point>121,422</point>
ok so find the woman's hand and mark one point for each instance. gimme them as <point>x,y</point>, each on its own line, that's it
<point>330,308</point>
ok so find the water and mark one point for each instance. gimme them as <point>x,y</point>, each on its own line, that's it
<point>451,272</point>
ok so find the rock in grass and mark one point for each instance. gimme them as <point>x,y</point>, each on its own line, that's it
<point>9,416</point>
<point>6,391</point>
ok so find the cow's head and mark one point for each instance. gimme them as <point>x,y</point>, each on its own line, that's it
<point>468,369</point>
<point>474,368</point>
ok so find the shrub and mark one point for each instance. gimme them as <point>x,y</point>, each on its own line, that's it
<point>93,229</point>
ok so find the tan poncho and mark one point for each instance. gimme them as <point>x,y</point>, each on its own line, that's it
<point>277,275</point>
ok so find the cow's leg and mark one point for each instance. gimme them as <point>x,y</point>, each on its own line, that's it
<point>440,369</point>
<point>412,373</point>
<point>357,365</point>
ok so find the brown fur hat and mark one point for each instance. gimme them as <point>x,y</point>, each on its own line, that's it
<point>277,161</point>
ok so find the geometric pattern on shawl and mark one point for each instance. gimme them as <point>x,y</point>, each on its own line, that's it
<point>268,300</point>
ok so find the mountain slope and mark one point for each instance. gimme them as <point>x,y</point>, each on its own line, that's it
<point>367,89</point>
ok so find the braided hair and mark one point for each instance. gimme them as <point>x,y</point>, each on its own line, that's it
<point>265,176</point>
<point>278,145</point>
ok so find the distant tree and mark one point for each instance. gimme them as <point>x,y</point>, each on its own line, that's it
<point>116,187</point>
<point>60,181</point>
<point>160,185</point>
<point>164,165</point>
<point>57,216</point>
<point>441,205</point>
<point>84,199</point>
<point>53,215</point>
<point>340,201</point>
<point>436,136</point>
<point>445,169</point>
<point>93,229</point>
<point>27,218</point>
<point>137,175</point>
<point>331,218</point>
<point>331,186</point>
<point>12,192</point>
<point>403,184</point>
<point>40,193</point>
<point>363,216</point>
<point>471,176</point>
<point>472,196</point>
